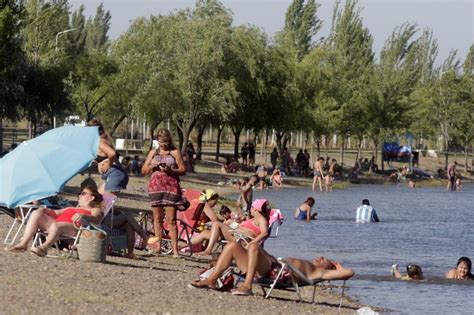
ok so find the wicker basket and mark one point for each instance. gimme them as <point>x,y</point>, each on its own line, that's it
<point>92,245</point>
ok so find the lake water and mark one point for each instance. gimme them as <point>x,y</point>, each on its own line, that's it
<point>426,226</point>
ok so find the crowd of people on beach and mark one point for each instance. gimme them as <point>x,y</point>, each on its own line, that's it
<point>241,231</point>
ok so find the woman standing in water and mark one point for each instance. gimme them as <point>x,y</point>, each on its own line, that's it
<point>165,165</point>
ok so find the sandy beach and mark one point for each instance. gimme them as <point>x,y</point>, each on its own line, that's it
<point>153,284</point>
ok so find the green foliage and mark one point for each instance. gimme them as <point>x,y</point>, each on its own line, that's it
<point>90,82</point>
<point>11,59</point>
<point>350,65</point>
<point>301,24</point>
<point>97,29</point>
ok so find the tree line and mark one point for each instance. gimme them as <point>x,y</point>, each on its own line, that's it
<point>196,68</point>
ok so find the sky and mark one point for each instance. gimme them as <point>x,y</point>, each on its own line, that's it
<point>452,21</point>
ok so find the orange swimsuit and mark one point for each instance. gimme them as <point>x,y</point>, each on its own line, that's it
<point>251,226</point>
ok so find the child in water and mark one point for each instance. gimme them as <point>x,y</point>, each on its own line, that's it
<point>414,272</point>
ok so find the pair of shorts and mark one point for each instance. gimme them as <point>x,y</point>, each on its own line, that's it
<point>116,178</point>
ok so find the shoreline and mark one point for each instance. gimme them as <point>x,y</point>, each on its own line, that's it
<point>157,284</point>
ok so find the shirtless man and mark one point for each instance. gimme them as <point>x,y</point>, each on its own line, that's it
<point>318,173</point>
<point>452,176</point>
<point>246,194</point>
<point>255,260</point>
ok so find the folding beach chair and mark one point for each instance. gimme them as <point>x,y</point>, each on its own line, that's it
<point>20,217</point>
<point>117,237</point>
<point>106,207</point>
<point>295,281</point>
<point>187,223</point>
<point>274,222</point>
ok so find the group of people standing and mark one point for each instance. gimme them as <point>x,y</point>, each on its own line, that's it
<point>247,152</point>
<point>325,170</point>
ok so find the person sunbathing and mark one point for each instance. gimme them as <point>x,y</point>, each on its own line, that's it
<point>204,215</point>
<point>254,260</point>
<point>255,228</point>
<point>61,221</point>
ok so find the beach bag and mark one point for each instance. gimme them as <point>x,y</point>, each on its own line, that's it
<point>225,282</point>
<point>93,243</point>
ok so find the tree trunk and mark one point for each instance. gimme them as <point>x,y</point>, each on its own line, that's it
<point>116,124</point>
<point>465,158</point>
<point>318,146</point>
<point>236,143</point>
<point>126,137</point>
<point>359,149</point>
<point>279,137</point>
<point>343,141</point>
<point>218,142</point>
<point>200,130</point>
<point>180,137</point>
<point>446,155</point>
<point>152,131</point>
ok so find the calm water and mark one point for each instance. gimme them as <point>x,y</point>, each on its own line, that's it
<point>426,226</point>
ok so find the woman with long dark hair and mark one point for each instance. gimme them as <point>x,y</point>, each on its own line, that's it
<point>165,164</point>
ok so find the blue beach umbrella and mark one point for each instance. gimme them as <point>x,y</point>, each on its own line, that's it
<point>38,168</point>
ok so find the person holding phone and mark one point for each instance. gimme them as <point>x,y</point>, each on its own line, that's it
<point>165,164</point>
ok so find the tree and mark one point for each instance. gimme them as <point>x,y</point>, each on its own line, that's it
<point>404,63</point>
<point>351,62</point>
<point>301,24</point>
<point>193,57</point>
<point>89,82</point>
<point>11,61</point>
<point>97,29</point>
<point>45,92</point>
<point>78,37</point>
<point>245,62</point>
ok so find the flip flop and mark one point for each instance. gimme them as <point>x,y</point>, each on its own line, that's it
<point>242,293</point>
<point>38,251</point>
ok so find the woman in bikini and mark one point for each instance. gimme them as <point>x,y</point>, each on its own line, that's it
<point>165,165</point>
<point>57,222</point>
<point>303,212</point>
<point>254,260</point>
<point>113,173</point>
<point>255,228</point>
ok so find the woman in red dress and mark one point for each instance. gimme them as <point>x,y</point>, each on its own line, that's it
<point>57,222</point>
<point>165,165</point>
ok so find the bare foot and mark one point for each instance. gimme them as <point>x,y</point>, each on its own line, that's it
<point>16,248</point>
<point>203,284</point>
<point>242,290</point>
<point>153,240</point>
<point>203,253</point>
<point>131,256</point>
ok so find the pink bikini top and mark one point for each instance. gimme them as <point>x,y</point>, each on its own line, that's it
<point>251,226</point>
